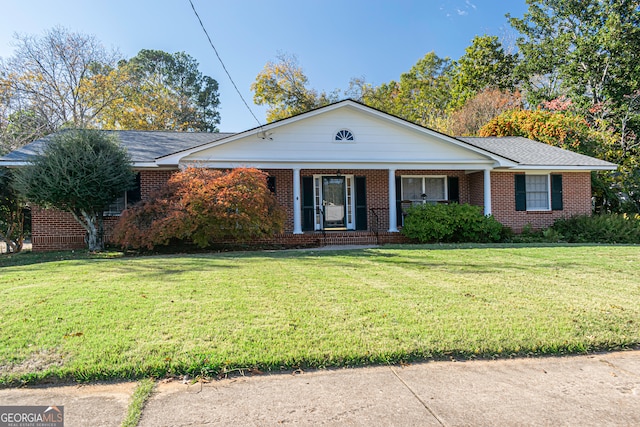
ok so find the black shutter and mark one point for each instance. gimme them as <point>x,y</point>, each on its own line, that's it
<point>271,184</point>
<point>307,203</point>
<point>453,186</point>
<point>556,192</point>
<point>521,193</point>
<point>399,201</point>
<point>361,203</point>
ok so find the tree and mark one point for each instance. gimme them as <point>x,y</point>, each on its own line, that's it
<point>47,77</point>
<point>12,209</point>
<point>617,191</point>
<point>421,96</point>
<point>81,172</point>
<point>484,65</point>
<point>204,206</point>
<point>560,129</point>
<point>20,128</point>
<point>161,91</point>
<point>585,47</point>
<point>283,87</point>
<point>586,50</point>
<point>481,109</point>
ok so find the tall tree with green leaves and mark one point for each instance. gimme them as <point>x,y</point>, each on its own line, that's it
<point>586,50</point>
<point>587,47</point>
<point>283,87</point>
<point>484,65</point>
<point>162,91</point>
<point>80,172</point>
<point>421,96</point>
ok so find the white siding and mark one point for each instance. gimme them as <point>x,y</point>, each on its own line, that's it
<point>377,140</point>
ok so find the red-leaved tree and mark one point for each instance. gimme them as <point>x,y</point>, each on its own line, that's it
<point>203,206</point>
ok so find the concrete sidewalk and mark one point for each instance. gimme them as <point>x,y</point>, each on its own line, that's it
<point>593,390</point>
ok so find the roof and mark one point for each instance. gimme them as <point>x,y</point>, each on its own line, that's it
<point>153,148</point>
<point>143,146</point>
<point>527,152</point>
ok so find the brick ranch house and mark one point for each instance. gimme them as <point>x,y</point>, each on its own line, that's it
<point>346,172</point>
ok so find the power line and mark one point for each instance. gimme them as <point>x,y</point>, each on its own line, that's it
<point>223,66</point>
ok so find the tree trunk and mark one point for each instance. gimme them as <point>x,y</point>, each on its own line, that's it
<point>14,236</point>
<point>92,223</point>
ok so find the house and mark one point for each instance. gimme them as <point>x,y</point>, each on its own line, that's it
<point>345,171</point>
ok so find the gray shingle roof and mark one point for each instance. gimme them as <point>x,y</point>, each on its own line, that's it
<point>146,146</point>
<point>527,152</point>
<point>143,146</point>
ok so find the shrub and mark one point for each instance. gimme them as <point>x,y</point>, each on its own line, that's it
<point>605,228</point>
<point>204,206</point>
<point>451,223</point>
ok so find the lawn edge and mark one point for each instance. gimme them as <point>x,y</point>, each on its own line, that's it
<point>140,396</point>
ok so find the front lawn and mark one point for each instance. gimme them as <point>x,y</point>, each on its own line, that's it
<point>105,317</point>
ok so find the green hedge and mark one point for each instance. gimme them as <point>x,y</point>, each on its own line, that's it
<point>451,223</point>
<point>605,228</point>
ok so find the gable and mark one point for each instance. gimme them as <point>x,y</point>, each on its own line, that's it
<point>377,140</point>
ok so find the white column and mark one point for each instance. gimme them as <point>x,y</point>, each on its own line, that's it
<point>297,203</point>
<point>393,220</point>
<point>487,191</point>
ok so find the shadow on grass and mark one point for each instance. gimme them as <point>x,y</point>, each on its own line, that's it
<point>200,367</point>
<point>225,252</point>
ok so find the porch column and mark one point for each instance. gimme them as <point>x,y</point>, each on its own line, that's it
<point>487,191</point>
<point>393,220</point>
<point>297,205</point>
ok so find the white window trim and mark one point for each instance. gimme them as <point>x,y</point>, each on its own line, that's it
<point>423,177</point>
<point>548,176</point>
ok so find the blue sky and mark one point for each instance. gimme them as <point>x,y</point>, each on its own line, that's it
<point>334,40</point>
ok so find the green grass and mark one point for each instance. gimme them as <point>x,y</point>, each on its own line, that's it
<point>109,317</point>
<point>140,396</point>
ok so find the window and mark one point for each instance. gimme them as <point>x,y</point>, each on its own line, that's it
<point>537,187</point>
<point>128,198</point>
<point>344,135</point>
<point>538,192</point>
<point>424,189</point>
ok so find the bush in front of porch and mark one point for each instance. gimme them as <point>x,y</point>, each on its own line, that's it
<point>203,206</point>
<point>429,223</point>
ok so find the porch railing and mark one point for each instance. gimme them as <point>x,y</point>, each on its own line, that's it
<point>375,222</point>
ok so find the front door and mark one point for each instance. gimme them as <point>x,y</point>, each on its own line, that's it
<point>334,202</point>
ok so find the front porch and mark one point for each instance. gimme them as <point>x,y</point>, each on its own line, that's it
<point>344,201</point>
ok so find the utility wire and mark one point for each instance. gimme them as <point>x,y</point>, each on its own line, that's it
<point>223,66</point>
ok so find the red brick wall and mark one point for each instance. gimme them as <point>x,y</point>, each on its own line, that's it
<point>576,196</point>
<point>151,180</point>
<point>284,193</point>
<point>55,230</point>
<point>476,188</point>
